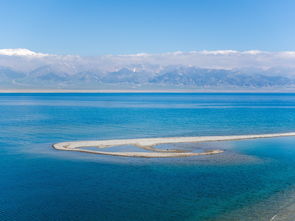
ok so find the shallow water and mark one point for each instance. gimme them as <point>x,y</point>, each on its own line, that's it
<point>251,180</point>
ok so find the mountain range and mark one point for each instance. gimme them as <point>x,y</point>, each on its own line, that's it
<point>197,70</point>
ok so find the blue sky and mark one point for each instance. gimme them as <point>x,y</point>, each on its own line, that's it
<point>88,27</point>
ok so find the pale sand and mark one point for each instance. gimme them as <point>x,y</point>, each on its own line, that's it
<point>147,154</point>
<point>148,143</point>
<point>142,91</point>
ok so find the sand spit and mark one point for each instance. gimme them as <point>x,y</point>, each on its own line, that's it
<point>149,143</point>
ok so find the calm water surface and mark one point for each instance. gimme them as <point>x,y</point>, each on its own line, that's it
<point>251,180</point>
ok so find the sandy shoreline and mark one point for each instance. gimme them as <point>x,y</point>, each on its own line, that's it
<point>149,143</point>
<point>40,91</point>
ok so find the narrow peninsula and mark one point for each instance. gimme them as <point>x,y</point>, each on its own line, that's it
<point>149,143</point>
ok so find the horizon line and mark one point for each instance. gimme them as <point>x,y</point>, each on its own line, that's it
<point>56,91</point>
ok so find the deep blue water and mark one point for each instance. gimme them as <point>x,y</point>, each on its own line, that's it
<point>40,183</point>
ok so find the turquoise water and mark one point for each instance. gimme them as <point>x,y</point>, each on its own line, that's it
<point>251,180</point>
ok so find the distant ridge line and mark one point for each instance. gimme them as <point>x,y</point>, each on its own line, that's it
<point>11,91</point>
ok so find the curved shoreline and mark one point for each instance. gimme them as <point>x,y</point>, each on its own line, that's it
<point>149,143</point>
<point>149,155</point>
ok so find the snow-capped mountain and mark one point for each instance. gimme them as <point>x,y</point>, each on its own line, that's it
<point>231,70</point>
<point>19,52</point>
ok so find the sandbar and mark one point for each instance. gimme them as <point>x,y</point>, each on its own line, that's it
<point>149,143</point>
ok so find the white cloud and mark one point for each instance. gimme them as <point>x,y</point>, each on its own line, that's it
<point>20,52</point>
<point>24,59</point>
<point>219,52</point>
<point>253,52</point>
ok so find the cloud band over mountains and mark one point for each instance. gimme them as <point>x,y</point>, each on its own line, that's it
<point>22,68</point>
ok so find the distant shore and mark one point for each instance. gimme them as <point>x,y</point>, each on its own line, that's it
<point>149,143</point>
<point>7,91</point>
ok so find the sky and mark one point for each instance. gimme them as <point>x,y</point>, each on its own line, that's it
<point>88,27</point>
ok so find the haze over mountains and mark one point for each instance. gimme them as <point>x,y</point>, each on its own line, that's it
<point>197,70</point>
